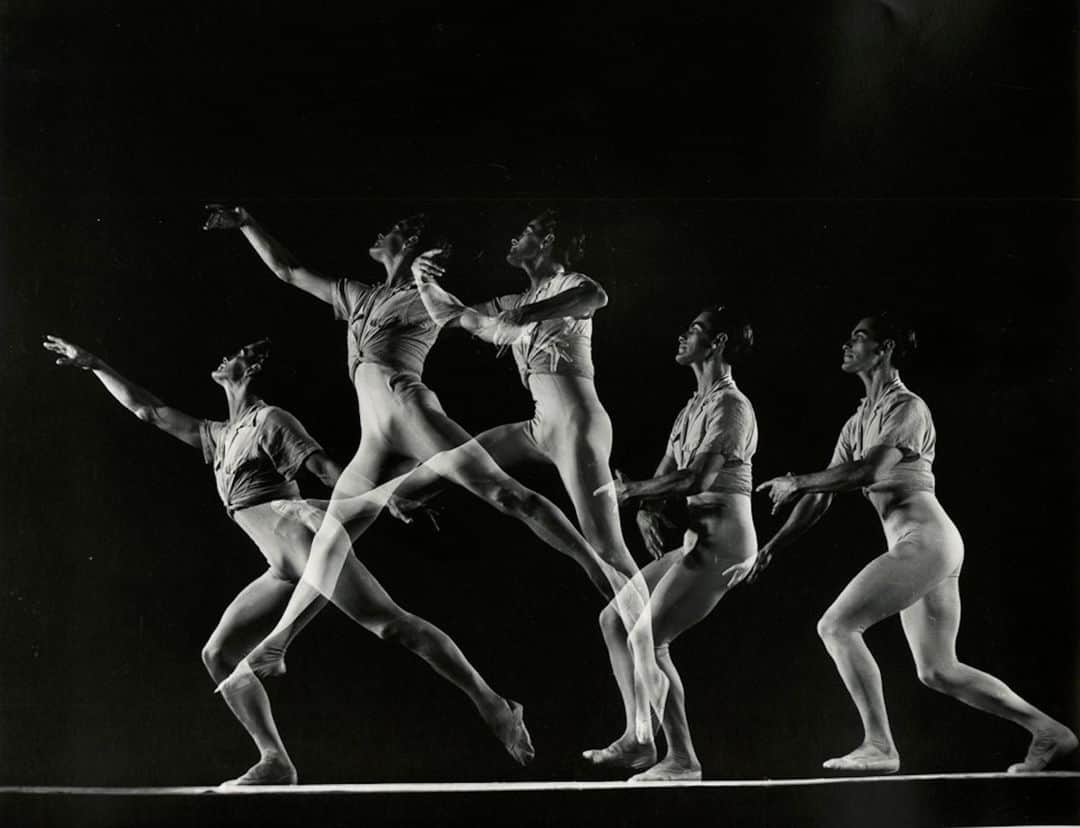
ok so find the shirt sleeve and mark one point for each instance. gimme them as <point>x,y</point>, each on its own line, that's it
<point>209,435</point>
<point>844,451</point>
<point>345,295</point>
<point>728,429</point>
<point>905,425</point>
<point>286,442</point>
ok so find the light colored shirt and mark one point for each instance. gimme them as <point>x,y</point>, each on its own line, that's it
<point>387,326</point>
<point>553,346</point>
<point>256,456</point>
<point>898,419</point>
<point>718,420</point>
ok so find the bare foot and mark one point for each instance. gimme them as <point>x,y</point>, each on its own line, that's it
<point>866,758</point>
<point>272,769</point>
<point>509,727</point>
<point>623,753</point>
<point>1047,744</point>
<point>671,769</point>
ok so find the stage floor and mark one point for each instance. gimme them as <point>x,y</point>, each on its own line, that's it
<point>916,800</point>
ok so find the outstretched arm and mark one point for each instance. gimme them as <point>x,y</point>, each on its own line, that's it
<point>135,399</point>
<point>841,477</point>
<point>273,253</point>
<point>669,481</point>
<point>579,301</point>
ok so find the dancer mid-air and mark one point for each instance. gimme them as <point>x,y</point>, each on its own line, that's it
<point>255,454</point>
<point>886,448</point>
<point>707,461</point>
<point>405,434</point>
<point>549,330</point>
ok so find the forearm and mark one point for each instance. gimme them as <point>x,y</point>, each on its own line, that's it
<point>842,478</point>
<point>679,483</point>
<point>575,302</point>
<point>134,398</point>
<point>273,253</point>
<point>808,511</point>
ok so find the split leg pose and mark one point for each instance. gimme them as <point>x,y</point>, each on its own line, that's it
<point>549,330</point>
<point>405,434</point>
<point>255,454</point>
<point>887,448</point>
<point>708,461</point>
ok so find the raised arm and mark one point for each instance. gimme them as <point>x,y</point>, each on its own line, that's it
<point>274,254</point>
<point>135,399</point>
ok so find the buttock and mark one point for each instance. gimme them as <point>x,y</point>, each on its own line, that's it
<point>937,541</point>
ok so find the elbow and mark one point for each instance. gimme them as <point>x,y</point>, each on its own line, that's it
<point>145,413</point>
<point>599,298</point>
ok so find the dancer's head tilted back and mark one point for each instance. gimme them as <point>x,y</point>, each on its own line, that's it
<point>243,367</point>
<point>717,333</point>
<point>883,341</point>
<point>405,240</point>
<point>547,236</point>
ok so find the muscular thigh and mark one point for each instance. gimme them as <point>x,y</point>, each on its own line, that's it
<point>685,595</point>
<point>932,623</point>
<point>892,582</point>
<point>582,455</point>
<point>251,615</point>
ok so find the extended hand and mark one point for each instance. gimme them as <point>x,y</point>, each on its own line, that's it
<point>781,490</point>
<point>764,558</point>
<point>424,268</point>
<point>617,488</point>
<point>223,217</point>
<point>649,523</point>
<point>406,509</point>
<point>69,354</point>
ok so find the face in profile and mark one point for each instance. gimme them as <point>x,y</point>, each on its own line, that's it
<point>527,245</point>
<point>695,343</point>
<point>234,367</point>
<point>863,351</point>
<point>392,243</point>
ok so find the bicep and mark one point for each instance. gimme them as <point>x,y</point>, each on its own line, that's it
<point>881,458</point>
<point>179,424</point>
<point>667,464</point>
<point>313,282</point>
<point>323,467</point>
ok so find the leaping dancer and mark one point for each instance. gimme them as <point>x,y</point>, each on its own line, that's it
<point>255,455</point>
<point>886,448</point>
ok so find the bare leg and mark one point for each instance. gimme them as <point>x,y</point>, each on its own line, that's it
<point>884,587</point>
<point>931,625</point>
<point>244,622</point>
<point>686,594</point>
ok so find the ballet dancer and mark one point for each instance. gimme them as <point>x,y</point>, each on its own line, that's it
<point>707,461</point>
<point>255,455</point>
<point>886,448</point>
<point>548,328</point>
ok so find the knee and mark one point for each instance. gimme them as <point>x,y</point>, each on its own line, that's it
<point>833,629</point>
<point>217,661</point>
<point>610,622</point>
<point>405,630</point>
<point>515,500</point>
<point>938,676</point>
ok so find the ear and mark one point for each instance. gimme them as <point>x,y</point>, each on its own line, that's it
<point>253,369</point>
<point>719,341</point>
<point>412,240</point>
<point>548,240</point>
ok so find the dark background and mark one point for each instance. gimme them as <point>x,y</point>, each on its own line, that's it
<point>812,163</point>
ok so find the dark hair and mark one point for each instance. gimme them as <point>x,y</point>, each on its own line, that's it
<point>740,333</point>
<point>258,354</point>
<point>569,246</point>
<point>419,226</point>
<point>892,326</point>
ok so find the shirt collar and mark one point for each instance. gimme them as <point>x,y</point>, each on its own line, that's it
<point>891,387</point>
<point>721,384</point>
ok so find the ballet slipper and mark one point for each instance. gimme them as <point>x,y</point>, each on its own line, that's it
<point>617,756</point>
<point>866,759</point>
<point>668,772</point>
<point>1047,745</point>
<point>270,770</point>
<point>511,731</point>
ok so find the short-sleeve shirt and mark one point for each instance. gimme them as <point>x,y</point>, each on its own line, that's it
<point>387,326</point>
<point>718,420</point>
<point>897,419</point>
<point>256,456</point>
<point>553,346</point>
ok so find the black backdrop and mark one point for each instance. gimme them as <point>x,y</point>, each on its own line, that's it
<point>811,164</point>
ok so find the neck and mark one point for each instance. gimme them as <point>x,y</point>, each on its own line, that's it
<point>397,271</point>
<point>540,269</point>
<point>710,372</point>
<point>240,399</point>
<point>876,379</point>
